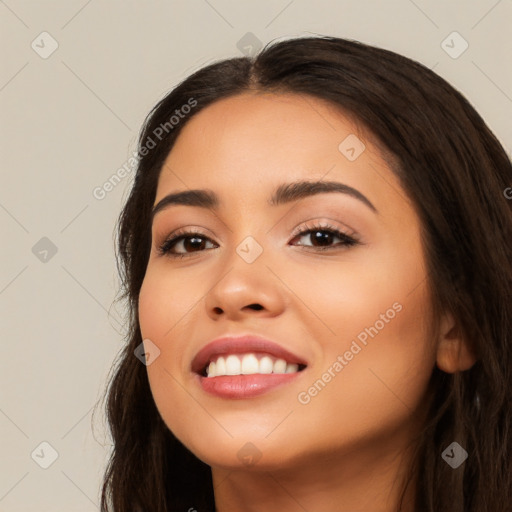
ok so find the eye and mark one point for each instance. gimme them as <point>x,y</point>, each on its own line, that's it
<point>323,237</point>
<point>182,243</point>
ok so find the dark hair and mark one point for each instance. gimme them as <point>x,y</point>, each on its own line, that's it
<point>455,172</point>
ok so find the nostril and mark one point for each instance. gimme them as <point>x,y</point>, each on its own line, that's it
<point>257,307</point>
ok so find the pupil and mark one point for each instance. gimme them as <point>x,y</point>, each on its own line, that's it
<point>194,243</point>
<point>322,238</point>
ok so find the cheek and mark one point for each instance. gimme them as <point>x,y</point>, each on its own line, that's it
<point>164,302</point>
<point>165,310</point>
<point>376,293</point>
<point>377,352</point>
<point>163,305</point>
<point>387,358</point>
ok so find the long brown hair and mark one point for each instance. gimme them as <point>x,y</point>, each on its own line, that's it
<point>455,172</point>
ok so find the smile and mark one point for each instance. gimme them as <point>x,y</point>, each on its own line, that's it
<point>244,367</point>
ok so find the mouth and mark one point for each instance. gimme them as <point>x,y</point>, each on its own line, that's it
<point>245,366</point>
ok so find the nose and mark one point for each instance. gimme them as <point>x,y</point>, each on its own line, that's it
<point>245,290</point>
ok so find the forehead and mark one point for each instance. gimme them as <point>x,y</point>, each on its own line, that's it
<point>246,144</point>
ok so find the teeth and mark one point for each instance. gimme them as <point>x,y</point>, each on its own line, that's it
<point>212,369</point>
<point>233,365</point>
<point>220,368</point>
<point>249,364</point>
<point>280,366</point>
<point>266,364</point>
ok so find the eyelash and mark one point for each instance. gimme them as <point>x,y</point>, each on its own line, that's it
<point>346,240</point>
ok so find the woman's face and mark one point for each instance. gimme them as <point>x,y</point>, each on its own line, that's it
<point>339,284</point>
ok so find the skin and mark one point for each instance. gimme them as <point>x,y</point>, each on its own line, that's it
<point>347,448</point>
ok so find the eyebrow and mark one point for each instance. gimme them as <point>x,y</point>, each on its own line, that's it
<point>285,193</point>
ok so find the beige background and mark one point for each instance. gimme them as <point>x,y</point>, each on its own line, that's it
<point>70,120</point>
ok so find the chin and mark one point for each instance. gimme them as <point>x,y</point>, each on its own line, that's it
<point>245,453</point>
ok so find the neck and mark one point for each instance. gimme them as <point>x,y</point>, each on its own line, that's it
<point>372,479</point>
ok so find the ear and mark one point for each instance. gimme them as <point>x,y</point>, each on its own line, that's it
<point>453,352</point>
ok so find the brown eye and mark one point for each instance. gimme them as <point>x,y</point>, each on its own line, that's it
<point>183,244</point>
<point>193,243</point>
<point>321,238</point>
<point>324,238</point>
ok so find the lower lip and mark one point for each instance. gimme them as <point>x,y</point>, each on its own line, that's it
<point>244,386</point>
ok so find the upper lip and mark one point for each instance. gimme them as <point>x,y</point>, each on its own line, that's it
<point>240,345</point>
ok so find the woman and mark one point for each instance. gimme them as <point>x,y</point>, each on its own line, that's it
<point>316,254</point>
